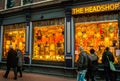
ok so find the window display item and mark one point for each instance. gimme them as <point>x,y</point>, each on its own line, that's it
<point>14,35</point>
<point>50,40</point>
<point>97,35</point>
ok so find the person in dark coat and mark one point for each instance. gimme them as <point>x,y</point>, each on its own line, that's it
<point>92,68</point>
<point>11,62</point>
<point>82,65</point>
<point>109,75</point>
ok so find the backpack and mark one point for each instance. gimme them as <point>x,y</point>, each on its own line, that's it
<point>93,61</point>
<point>93,57</point>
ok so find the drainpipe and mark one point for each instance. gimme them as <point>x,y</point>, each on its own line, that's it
<point>1,36</point>
<point>68,38</point>
<point>27,55</point>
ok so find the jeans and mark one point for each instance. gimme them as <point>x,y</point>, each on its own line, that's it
<point>81,75</point>
<point>91,74</point>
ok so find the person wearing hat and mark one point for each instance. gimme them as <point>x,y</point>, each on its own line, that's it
<point>11,62</point>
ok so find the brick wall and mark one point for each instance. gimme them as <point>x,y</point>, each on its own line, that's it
<point>17,2</point>
<point>37,0</point>
<point>2,4</point>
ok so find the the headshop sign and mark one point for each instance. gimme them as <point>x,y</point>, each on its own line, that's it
<point>96,8</point>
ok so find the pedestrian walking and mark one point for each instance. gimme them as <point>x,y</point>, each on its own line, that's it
<point>109,74</point>
<point>20,61</point>
<point>11,62</point>
<point>82,65</point>
<point>92,67</point>
<point>119,59</point>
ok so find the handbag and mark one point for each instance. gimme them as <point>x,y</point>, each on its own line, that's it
<point>111,64</point>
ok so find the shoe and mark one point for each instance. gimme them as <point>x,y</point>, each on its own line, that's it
<point>15,78</point>
<point>4,76</point>
<point>20,76</point>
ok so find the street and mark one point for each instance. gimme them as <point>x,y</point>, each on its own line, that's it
<point>34,77</point>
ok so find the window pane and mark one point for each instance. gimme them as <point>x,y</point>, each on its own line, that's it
<point>97,35</point>
<point>13,35</point>
<point>10,3</point>
<point>48,40</point>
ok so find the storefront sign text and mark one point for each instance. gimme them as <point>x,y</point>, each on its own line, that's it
<point>97,8</point>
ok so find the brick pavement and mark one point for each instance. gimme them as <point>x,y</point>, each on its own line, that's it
<point>34,77</point>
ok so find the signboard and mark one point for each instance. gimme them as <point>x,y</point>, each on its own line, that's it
<point>96,8</point>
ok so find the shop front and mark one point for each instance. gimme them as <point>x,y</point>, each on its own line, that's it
<point>97,27</point>
<point>47,41</point>
<point>41,42</point>
<point>40,36</point>
<point>51,38</point>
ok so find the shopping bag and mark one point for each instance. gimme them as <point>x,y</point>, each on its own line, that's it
<point>112,67</point>
<point>111,64</point>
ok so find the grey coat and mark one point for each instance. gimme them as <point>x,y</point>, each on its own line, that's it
<point>83,60</point>
<point>20,58</point>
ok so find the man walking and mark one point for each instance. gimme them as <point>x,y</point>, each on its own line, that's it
<point>82,65</point>
<point>11,62</point>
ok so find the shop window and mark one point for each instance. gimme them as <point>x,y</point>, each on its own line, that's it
<point>48,40</point>
<point>97,35</point>
<point>13,35</point>
<point>10,3</point>
<point>27,2</point>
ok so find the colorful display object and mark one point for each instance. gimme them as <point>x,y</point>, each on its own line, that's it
<point>48,43</point>
<point>14,35</point>
<point>97,35</point>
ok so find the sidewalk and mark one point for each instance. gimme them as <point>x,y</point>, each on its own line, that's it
<point>34,77</point>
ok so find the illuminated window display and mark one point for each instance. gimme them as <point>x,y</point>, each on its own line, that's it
<point>14,35</point>
<point>97,35</point>
<point>48,40</point>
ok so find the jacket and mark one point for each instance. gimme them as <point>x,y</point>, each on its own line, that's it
<point>82,62</point>
<point>93,62</point>
<point>105,59</point>
<point>20,58</point>
<point>12,58</point>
